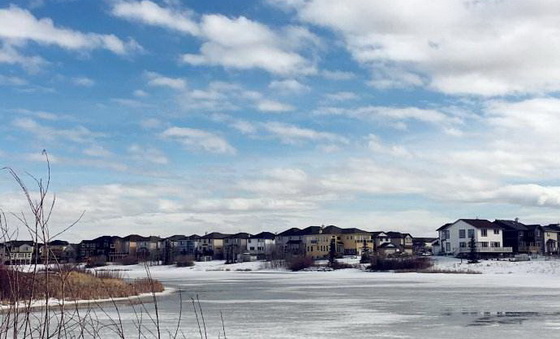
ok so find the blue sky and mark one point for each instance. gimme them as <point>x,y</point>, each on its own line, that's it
<point>180,117</point>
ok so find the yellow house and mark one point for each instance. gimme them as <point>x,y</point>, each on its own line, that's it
<point>354,239</point>
<point>317,240</point>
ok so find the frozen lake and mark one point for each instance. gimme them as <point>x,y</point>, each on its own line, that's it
<point>354,304</point>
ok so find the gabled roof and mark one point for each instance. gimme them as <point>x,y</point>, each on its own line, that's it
<point>294,231</point>
<point>353,230</point>
<point>480,223</point>
<point>240,235</point>
<point>552,228</point>
<point>533,227</point>
<point>264,235</point>
<point>134,238</point>
<point>177,237</point>
<point>18,243</point>
<point>215,235</point>
<point>441,228</point>
<point>311,230</point>
<point>424,239</point>
<point>331,229</point>
<point>511,225</point>
<point>377,234</point>
<point>59,243</point>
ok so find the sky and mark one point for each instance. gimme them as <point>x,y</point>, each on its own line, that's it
<point>180,117</point>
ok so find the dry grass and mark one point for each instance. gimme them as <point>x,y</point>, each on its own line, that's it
<point>70,285</point>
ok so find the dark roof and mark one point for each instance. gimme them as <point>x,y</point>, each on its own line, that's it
<point>511,225</point>
<point>294,231</point>
<point>444,227</point>
<point>215,235</point>
<point>18,243</point>
<point>311,230</point>
<point>353,230</point>
<point>480,223</point>
<point>177,237</point>
<point>264,235</point>
<point>59,243</point>
<point>134,237</point>
<point>533,227</point>
<point>331,229</point>
<point>552,228</point>
<point>240,235</point>
<point>376,234</point>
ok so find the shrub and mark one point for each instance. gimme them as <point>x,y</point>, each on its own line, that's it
<point>184,261</point>
<point>400,264</point>
<point>96,261</point>
<point>300,263</point>
<point>129,260</point>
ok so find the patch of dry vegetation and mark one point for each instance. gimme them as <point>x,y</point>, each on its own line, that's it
<point>70,285</point>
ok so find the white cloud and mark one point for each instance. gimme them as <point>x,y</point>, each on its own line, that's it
<point>341,96</point>
<point>195,139</point>
<point>376,145</point>
<point>140,93</point>
<point>97,151</point>
<point>150,13</point>
<point>9,55</point>
<point>273,106</point>
<point>83,81</point>
<point>155,79</point>
<point>453,46</point>
<point>398,116</point>
<point>337,75</point>
<point>291,134</point>
<point>149,154</point>
<point>240,43</point>
<point>19,25</point>
<point>6,80</point>
<point>78,134</point>
<point>288,86</point>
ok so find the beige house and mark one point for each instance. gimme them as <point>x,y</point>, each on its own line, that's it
<point>317,241</point>
<point>354,241</point>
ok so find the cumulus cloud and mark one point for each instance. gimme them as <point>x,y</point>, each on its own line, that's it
<point>158,80</point>
<point>288,86</point>
<point>20,25</point>
<point>241,43</point>
<point>150,13</point>
<point>150,154</point>
<point>199,140</point>
<point>273,106</point>
<point>459,47</point>
<point>79,134</point>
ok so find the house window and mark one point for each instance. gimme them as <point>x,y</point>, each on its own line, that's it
<point>496,231</point>
<point>484,244</point>
<point>447,247</point>
<point>495,244</point>
<point>462,234</point>
<point>484,233</point>
<point>470,233</point>
<point>462,244</point>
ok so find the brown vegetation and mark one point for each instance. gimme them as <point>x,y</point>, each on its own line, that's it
<point>69,285</point>
<point>299,263</point>
<point>408,264</point>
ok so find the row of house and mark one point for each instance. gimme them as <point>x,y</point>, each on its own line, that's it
<point>313,241</point>
<point>498,237</point>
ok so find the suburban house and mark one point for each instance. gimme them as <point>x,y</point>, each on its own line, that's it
<point>57,251</point>
<point>535,237</point>
<point>551,233</point>
<point>403,241</point>
<point>235,245</point>
<point>262,245</point>
<point>112,248</point>
<point>455,238</point>
<point>423,245</point>
<point>378,239</point>
<point>318,239</point>
<point>211,245</point>
<point>3,254</point>
<point>20,252</point>
<point>354,241</point>
<point>290,242</point>
<point>183,245</point>
<point>521,237</point>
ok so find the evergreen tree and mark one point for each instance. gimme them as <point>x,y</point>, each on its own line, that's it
<point>332,251</point>
<point>473,256</point>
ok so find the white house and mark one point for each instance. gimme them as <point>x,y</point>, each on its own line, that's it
<point>261,245</point>
<point>455,238</point>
